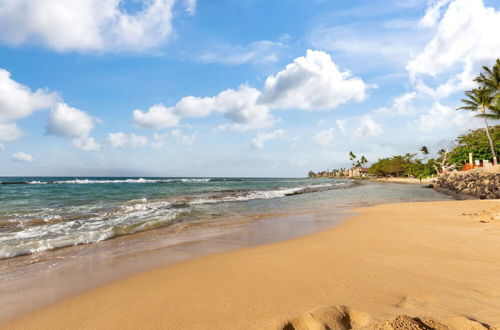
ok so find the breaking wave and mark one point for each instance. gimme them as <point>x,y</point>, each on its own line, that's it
<point>45,228</point>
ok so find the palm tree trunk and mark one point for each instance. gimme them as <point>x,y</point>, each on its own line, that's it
<point>489,138</point>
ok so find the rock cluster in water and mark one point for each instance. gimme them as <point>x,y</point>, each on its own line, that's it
<point>476,183</point>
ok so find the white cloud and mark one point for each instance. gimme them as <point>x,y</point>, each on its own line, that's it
<point>466,37</point>
<point>433,13</point>
<point>122,140</point>
<point>182,138</point>
<point>86,143</point>
<point>342,125</point>
<point>367,127</point>
<point>9,132</point>
<point>312,82</point>
<point>69,122</point>
<point>191,106</point>
<point>18,101</point>
<point>401,106</point>
<point>157,117</point>
<point>387,42</point>
<point>86,25</point>
<point>239,106</point>
<point>158,140</point>
<point>22,157</point>
<point>255,52</point>
<point>190,6</point>
<point>117,140</point>
<point>73,123</point>
<point>137,141</point>
<point>261,138</point>
<point>440,118</point>
<point>324,138</point>
<point>242,108</point>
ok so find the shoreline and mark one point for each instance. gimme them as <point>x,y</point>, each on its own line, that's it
<point>62,273</point>
<point>440,259</point>
<point>34,281</point>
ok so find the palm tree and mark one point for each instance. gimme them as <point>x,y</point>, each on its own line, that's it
<point>425,151</point>
<point>491,78</point>
<point>363,160</point>
<point>494,110</point>
<point>352,157</point>
<point>480,100</point>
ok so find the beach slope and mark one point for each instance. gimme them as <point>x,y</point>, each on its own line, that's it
<point>431,265</point>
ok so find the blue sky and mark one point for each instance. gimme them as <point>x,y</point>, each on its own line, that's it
<point>233,88</point>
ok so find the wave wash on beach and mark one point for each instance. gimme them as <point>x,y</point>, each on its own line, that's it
<point>40,214</point>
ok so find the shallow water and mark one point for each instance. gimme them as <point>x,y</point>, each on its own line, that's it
<point>39,214</point>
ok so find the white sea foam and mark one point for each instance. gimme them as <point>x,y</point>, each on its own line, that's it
<point>260,194</point>
<point>97,221</point>
<point>140,180</point>
<point>126,219</point>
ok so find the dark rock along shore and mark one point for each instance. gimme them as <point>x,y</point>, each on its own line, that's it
<point>473,183</point>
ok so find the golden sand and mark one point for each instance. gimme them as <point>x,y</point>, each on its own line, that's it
<point>432,265</point>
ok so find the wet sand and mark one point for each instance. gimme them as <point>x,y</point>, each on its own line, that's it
<point>397,266</point>
<point>31,282</point>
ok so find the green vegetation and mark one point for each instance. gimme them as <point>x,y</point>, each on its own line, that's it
<point>404,166</point>
<point>486,100</point>
<point>357,162</point>
<point>477,143</point>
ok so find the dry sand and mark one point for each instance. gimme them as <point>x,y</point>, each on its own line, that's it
<point>403,180</point>
<point>429,265</point>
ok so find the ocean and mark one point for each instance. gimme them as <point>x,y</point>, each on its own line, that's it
<point>45,213</point>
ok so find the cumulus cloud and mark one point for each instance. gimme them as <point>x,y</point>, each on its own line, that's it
<point>312,82</point>
<point>466,38</point>
<point>255,52</point>
<point>87,25</point>
<point>86,143</point>
<point>122,140</point>
<point>261,138</point>
<point>22,157</point>
<point>73,123</point>
<point>18,101</point>
<point>433,13</point>
<point>69,122</point>
<point>324,138</point>
<point>183,139</point>
<point>367,127</point>
<point>242,108</point>
<point>9,132</point>
<point>158,116</point>
<point>239,106</point>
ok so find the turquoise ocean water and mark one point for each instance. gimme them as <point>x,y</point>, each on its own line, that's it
<point>44,213</point>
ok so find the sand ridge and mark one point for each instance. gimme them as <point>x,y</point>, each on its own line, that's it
<point>431,265</point>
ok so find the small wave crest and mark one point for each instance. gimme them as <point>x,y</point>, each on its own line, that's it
<point>47,228</point>
<point>112,181</point>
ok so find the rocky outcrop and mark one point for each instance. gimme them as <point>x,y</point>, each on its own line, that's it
<point>478,183</point>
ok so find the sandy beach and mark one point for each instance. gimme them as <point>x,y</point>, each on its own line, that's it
<point>428,265</point>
